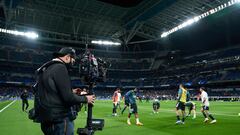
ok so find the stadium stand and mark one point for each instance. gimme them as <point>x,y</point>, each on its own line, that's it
<point>19,60</point>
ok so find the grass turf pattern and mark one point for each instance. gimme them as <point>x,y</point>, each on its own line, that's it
<point>15,122</point>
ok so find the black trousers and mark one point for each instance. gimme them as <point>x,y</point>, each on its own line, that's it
<point>24,102</point>
<point>65,127</point>
<point>114,108</point>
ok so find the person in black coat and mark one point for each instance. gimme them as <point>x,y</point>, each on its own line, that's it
<point>57,96</point>
<point>24,97</point>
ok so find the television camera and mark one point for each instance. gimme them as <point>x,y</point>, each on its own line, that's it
<point>92,70</point>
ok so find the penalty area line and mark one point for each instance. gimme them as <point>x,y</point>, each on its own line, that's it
<point>8,105</point>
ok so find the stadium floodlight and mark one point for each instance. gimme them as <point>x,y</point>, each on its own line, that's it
<point>164,34</point>
<point>104,42</point>
<point>31,35</point>
<point>197,18</point>
<point>189,22</point>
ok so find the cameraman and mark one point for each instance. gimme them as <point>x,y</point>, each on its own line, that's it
<point>58,97</point>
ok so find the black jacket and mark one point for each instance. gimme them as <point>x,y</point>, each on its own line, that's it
<point>57,94</point>
<point>24,96</point>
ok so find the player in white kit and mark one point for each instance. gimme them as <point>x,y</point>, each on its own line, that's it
<point>205,106</point>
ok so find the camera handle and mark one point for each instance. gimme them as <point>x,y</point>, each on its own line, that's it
<point>88,130</point>
<point>89,114</point>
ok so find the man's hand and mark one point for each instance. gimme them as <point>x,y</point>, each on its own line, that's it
<point>90,99</point>
<point>77,91</point>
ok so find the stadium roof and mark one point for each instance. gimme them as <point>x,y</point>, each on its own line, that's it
<point>72,20</point>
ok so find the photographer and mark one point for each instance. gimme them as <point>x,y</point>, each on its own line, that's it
<point>57,97</point>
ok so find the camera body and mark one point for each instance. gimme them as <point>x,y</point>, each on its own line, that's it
<point>92,69</point>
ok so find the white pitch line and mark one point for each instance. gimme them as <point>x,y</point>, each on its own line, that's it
<point>7,106</point>
<point>165,110</point>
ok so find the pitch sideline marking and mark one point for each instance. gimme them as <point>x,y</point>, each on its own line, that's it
<point>165,110</point>
<point>8,105</point>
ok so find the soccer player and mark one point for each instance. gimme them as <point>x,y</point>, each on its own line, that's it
<point>119,99</point>
<point>192,108</point>
<point>126,103</point>
<point>156,105</point>
<point>147,98</point>
<point>115,101</point>
<point>205,106</point>
<point>182,98</point>
<point>140,99</point>
<point>131,95</point>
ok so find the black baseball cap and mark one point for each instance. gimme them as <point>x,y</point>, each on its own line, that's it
<point>65,51</point>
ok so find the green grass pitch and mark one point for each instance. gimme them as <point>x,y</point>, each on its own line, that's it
<point>15,122</point>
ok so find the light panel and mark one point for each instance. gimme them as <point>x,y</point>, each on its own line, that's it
<point>31,35</point>
<point>197,18</point>
<point>104,42</point>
